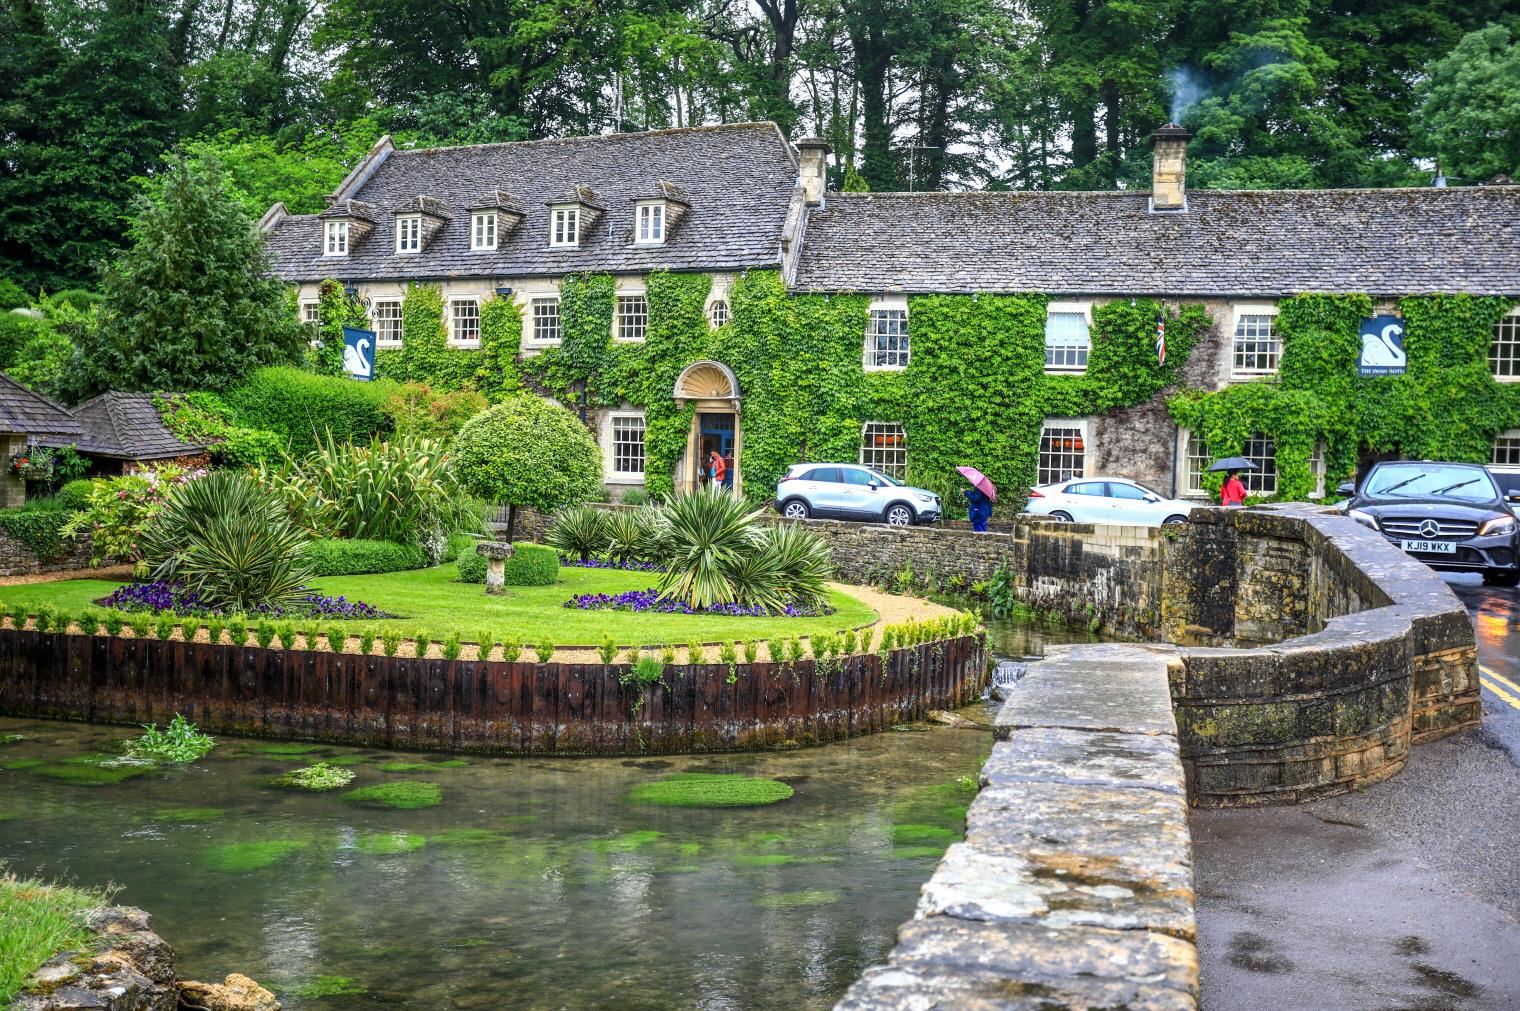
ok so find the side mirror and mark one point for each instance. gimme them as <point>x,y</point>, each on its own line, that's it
<point>875,485</point>
<point>1513,496</point>
<point>1346,488</point>
<point>1152,498</point>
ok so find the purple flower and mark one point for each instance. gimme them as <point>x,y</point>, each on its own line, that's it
<point>165,596</point>
<point>650,600</point>
<point>602,563</point>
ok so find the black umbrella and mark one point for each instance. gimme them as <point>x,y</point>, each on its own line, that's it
<point>1233,463</point>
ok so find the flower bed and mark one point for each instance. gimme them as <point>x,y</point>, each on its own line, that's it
<point>650,600</point>
<point>160,596</point>
<point>606,563</point>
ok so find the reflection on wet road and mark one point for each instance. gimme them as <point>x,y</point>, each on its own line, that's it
<point>1495,614</point>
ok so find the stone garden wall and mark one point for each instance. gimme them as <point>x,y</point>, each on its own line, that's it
<point>490,707</point>
<point>16,559</point>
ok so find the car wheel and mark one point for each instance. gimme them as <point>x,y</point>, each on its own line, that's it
<point>1173,519</point>
<point>1501,577</point>
<point>899,515</point>
<point>1059,515</point>
<point>796,509</point>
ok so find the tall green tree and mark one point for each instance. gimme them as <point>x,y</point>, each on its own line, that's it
<point>190,304</point>
<point>1469,111</point>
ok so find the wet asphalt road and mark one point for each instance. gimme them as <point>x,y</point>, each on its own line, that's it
<point>1403,896</point>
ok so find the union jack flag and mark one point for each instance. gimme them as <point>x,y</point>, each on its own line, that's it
<point>1160,340</point>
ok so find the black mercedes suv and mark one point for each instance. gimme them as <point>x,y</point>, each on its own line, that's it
<point>1451,516</point>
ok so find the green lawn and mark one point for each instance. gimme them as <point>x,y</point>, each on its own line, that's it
<point>433,600</point>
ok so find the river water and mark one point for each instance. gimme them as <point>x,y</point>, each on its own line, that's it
<point>533,883</point>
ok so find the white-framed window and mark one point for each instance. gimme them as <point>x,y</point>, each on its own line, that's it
<point>337,239</point>
<point>1262,451</point>
<point>1257,349</point>
<point>565,226</point>
<point>543,319</point>
<point>1063,450</point>
<point>385,317</point>
<point>632,320</point>
<point>1507,448</point>
<point>887,338</point>
<point>311,312</point>
<point>884,447</point>
<point>650,227</point>
<point>483,230</point>
<point>464,321</point>
<point>1504,352</point>
<point>1068,337</point>
<point>627,436</point>
<point>409,233</point>
<point>1195,463</point>
<point>717,313</point>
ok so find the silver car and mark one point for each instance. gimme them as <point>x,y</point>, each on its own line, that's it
<point>848,491</point>
<point>1107,500</point>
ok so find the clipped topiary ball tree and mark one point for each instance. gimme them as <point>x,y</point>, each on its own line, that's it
<point>527,451</point>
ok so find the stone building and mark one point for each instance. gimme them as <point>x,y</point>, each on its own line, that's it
<point>26,419</point>
<point>119,432</point>
<point>515,220</point>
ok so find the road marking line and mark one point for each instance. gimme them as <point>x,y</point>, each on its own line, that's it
<point>1499,677</point>
<point>1504,696</point>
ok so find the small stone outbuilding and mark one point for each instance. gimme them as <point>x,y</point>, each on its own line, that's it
<point>118,431</point>
<point>27,419</point>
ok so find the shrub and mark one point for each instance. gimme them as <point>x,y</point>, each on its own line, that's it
<point>40,527</point>
<point>401,491</point>
<point>300,406</point>
<point>472,565</point>
<point>451,646</point>
<point>527,451</point>
<point>633,535</point>
<point>706,533</point>
<point>511,649</point>
<point>178,742</point>
<point>12,295</point>
<point>317,776</point>
<point>74,495</point>
<point>544,651</point>
<point>531,565</point>
<point>416,409</point>
<point>330,556</point>
<point>579,532</point>
<point>366,641</point>
<point>227,539</point>
<point>248,447</point>
<point>119,508</point>
<point>804,563</point>
<point>635,497</point>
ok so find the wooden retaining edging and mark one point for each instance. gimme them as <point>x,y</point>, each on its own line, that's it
<point>480,707</point>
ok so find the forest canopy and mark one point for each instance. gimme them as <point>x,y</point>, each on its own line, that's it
<point>284,95</point>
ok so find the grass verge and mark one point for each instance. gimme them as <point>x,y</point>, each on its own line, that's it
<point>37,921</point>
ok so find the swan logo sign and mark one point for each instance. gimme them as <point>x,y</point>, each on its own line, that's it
<point>359,353</point>
<point>1382,347</point>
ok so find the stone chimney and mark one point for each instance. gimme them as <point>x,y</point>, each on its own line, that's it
<point>812,168</point>
<point>1169,168</point>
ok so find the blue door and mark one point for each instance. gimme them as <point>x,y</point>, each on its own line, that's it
<point>718,434</point>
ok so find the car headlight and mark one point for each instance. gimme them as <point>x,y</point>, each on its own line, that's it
<point>1364,518</point>
<point>923,497</point>
<point>1497,525</point>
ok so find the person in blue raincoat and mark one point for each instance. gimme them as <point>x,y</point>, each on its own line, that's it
<point>978,509</point>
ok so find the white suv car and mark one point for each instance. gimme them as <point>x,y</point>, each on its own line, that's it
<point>847,491</point>
<point>1107,500</point>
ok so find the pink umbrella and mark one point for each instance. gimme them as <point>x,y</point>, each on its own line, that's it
<point>979,481</point>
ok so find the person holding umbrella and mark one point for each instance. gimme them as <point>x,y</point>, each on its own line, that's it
<point>979,498</point>
<point>1232,494</point>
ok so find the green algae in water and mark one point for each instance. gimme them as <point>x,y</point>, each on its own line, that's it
<point>18,764</point>
<point>918,852</point>
<point>188,814</point>
<point>466,837</point>
<point>11,738</point>
<point>794,900</point>
<point>238,858</point>
<point>702,789</point>
<point>920,835</point>
<point>451,763</point>
<point>320,986</point>
<point>389,843</point>
<point>407,795</point>
<point>628,842</point>
<point>342,760</point>
<point>316,777</point>
<point>92,770</point>
<point>407,767</point>
<point>285,748</point>
<point>763,859</point>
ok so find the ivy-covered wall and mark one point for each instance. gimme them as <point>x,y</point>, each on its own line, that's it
<point>1447,406</point>
<point>975,391</point>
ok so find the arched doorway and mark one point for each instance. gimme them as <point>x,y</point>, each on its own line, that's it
<point>711,388</point>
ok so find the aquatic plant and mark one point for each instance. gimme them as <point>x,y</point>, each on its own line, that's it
<point>451,763</point>
<point>17,764</point>
<point>407,795</point>
<point>697,789</point>
<point>918,835</point>
<point>285,748</point>
<point>179,742</point>
<point>318,987</point>
<point>405,766</point>
<point>317,776</point>
<point>11,738</point>
<point>92,770</point>
<point>350,759</point>
<point>389,843</point>
<point>188,814</point>
<point>792,900</point>
<point>466,837</point>
<point>240,858</point>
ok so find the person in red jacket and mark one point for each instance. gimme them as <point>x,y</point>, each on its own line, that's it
<point>717,467</point>
<point>1233,493</point>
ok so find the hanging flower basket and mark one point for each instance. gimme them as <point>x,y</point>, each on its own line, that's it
<point>33,465</point>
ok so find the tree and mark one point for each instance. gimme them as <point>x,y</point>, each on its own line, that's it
<point>527,451</point>
<point>191,304</point>
<point>1469,111</point>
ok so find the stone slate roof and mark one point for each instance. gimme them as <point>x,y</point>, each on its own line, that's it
<point>738,178</point>
<point>1228,243</point>
<point>125,426</point>
<point>25,412</point>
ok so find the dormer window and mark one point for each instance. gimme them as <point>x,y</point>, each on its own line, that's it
<point>409,233</point>
<point>651,223</point>
<point>565,226</point>
<point>483,230</point>
<point>337,239</point>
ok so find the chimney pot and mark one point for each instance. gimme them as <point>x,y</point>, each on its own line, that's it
<point>1169,168</point>
<point>812,167</point>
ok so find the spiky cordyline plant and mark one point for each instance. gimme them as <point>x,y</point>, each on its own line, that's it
<point>579,532</point>
<point>705,534</point>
